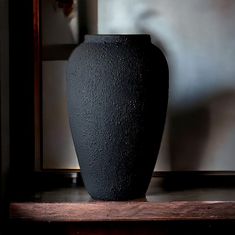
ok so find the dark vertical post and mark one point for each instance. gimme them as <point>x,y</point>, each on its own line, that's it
<point>21,94</point>
<point>4,112</point>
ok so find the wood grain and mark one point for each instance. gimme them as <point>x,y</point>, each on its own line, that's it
<point>123,211</point>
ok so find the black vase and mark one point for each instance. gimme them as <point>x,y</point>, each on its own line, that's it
<point>117,98</point>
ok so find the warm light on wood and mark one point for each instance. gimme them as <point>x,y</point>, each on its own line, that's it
<point>123,211</point>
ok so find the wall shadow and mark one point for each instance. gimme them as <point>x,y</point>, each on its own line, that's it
<point>194,134</point>
<point>188,135</point>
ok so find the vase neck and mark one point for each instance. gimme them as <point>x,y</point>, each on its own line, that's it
<point>118,38</point>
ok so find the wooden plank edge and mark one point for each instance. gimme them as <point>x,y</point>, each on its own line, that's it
<point>123,211</point>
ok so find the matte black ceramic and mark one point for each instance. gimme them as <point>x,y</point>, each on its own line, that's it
<point>117,99</point>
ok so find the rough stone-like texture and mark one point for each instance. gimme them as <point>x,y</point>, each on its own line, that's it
<point>117,98</point>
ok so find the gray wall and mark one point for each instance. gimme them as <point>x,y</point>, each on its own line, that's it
<point>57,29</point>
<point>198,39</point>
<point>58,148</point>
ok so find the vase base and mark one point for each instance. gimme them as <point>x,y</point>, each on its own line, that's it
<point>141,198</point>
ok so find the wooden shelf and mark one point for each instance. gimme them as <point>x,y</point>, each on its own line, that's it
<point>73,204</point>
<point>123,211</point>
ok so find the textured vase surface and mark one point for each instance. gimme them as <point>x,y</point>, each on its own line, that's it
<point>117,87</point>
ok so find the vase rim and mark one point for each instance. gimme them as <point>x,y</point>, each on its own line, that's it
<point>117,38</point>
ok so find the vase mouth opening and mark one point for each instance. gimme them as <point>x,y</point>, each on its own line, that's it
<point>117,38</point>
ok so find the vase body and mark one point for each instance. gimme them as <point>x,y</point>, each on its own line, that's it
<point>117,88</point>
